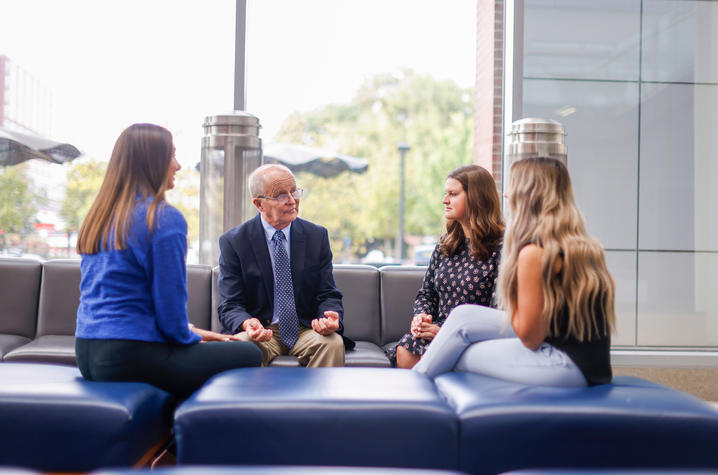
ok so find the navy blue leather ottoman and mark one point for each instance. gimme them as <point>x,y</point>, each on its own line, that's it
<point>324,416</point>
<point>54,420</point>
<point>631,423</point>
<point>274,470</point>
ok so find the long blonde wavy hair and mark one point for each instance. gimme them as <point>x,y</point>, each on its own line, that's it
<point>543,212</point>
<point>139,165</point>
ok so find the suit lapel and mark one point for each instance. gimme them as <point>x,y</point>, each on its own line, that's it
<point>261,251</point>
<point>298,252</point>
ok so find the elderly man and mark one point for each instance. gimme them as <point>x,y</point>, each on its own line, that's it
<point>275,277</point>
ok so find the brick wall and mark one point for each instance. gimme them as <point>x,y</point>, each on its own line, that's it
<point>488,93</point>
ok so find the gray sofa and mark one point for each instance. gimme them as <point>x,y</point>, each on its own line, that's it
<point>40,299</point>
<point>374,417</point>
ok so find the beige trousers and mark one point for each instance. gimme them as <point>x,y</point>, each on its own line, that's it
<point>312,349</point>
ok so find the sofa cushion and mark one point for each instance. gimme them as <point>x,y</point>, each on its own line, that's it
<point>46,349</point>
<point>10,342</point>
<point>629,423</point>
<point>366,354</point>
<point>199,294</point>
<point>399,286</point>
<point>59,298</point>
<point>359,285</point>
<point>53,420</point>
<point>19,290</point>
<point>322,416</point>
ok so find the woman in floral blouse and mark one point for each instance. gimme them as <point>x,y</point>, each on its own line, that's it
<point>464,265</point>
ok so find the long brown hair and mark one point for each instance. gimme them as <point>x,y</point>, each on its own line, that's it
<point>139,165</point>
<point>543,212</point>
<point>484,214</point>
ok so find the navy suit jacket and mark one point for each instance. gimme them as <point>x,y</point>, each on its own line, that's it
<point>246,277</point>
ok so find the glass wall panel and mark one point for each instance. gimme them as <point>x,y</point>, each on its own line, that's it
<point>680,41</point>
<point>105,66</point>
<point>679,168</point>
<point>601,126</point>
<point>622,265</point>
<point>358,78</point>
<point>641,149</point>
<point>571,39</point>
<point>677,300</point>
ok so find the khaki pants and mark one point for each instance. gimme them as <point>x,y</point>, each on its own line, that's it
<point>312,349</point>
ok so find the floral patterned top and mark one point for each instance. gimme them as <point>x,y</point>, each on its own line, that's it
<point>456,280</point>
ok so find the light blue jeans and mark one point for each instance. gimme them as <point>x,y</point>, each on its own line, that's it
<point>480,340</point>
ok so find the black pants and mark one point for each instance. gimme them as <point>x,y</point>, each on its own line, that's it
<point>178,369</point>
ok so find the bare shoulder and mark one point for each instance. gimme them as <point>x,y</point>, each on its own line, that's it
<point>530,254</point>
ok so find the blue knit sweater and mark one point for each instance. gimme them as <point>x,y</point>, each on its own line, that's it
<point>139,293</point>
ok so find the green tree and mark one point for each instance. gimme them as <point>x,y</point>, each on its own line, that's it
<point>18,203</point>
<point>185,197</point>
<point>434,117</point>
<point>83,182</point>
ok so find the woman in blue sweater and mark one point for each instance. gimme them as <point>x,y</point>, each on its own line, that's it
<point>132,320</point>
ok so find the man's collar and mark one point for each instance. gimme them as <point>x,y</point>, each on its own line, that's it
<point>269,230</point>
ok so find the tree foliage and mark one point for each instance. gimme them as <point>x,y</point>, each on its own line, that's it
<point>18,203</point>
<point>83,182</point>
<point>434,117</point>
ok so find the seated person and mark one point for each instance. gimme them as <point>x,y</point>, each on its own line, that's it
<point>132,320</point>
<point>464,265</point>
<point>554,285</point>
<point>275,278</point>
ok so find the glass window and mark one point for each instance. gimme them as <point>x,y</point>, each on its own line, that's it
<point>678,197</point>
<point>106,65</point>
<point>358,78</point>
<point>622,266</point>
<point>570,39</point>
<point>680,41</point>
<point>601,138</point>
<point>677,301</point>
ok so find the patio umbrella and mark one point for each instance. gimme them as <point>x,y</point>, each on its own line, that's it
<point>16,147</point>
<point>314,160</point>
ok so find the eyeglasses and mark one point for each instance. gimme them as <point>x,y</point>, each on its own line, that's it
<point>284,197</point>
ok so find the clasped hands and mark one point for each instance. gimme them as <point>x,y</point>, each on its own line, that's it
<point>324,326</point>
<point>421,327</point>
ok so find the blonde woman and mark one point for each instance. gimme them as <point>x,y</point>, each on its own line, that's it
<point>132,320</point>
<point>555,288</point>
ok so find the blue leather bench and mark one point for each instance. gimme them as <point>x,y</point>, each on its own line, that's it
<point>54,420</point>
<point>273,470</point>
<point>465,422</point>
<point>324,416</point>
<point>629,423</point>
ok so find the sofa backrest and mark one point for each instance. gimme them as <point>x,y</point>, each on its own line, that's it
<point>359,285</point>
<point>59,297</point>
<point>399,285</point>
<point>214,318</point>
<point>199,294</point>
<point>19,291</point>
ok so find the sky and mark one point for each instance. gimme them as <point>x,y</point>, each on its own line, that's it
<point>108,64</point>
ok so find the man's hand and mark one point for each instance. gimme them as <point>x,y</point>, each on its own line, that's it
<point>256,331</point>
<point>327,325</point>
<point>416,323</point>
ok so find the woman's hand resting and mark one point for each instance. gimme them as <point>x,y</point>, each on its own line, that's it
<point>208,335</point>
<point>421,327</point>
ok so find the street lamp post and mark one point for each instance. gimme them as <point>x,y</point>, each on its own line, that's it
<point>403,147</point>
